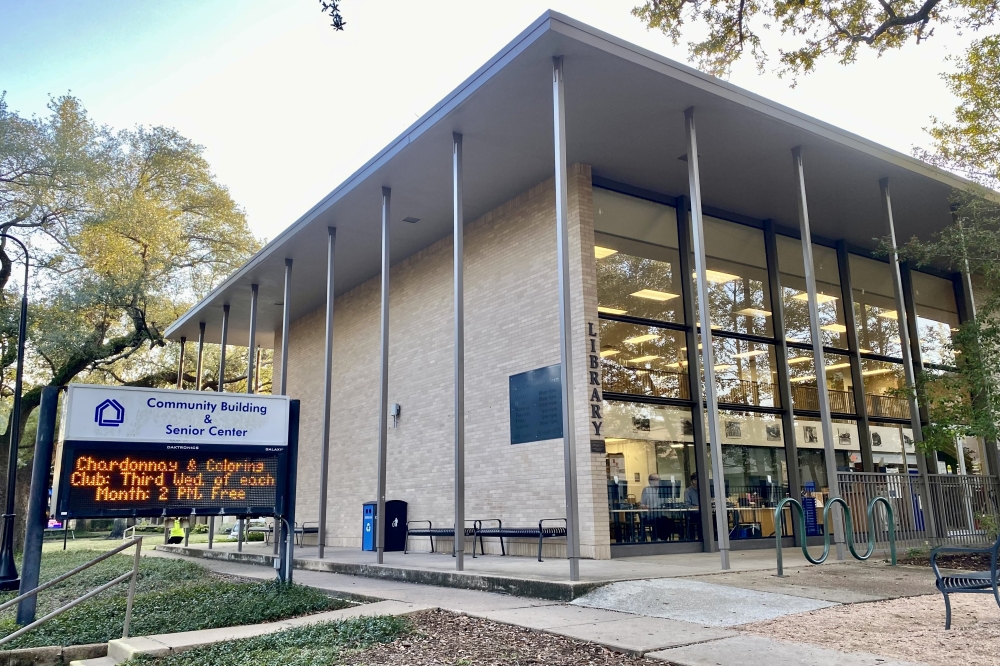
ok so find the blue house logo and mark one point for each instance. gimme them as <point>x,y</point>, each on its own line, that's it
<point>109,413</point>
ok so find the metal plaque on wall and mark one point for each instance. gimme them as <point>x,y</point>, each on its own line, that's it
<point>536,405</point>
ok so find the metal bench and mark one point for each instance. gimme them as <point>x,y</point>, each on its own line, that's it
<point>431,532</point>
<point>541,532</point>
<point>980,582</point>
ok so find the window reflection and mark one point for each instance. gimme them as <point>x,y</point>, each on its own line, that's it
<point>794,296</point>
<point>937,317</point>
<point>883,396</point>
<point>736,269</point>
<point>805,390</point>
<point>812,457</point>
<point>875,306</point>
<point>888,442</point>
<point>745,373</point>
<point>643,360</point>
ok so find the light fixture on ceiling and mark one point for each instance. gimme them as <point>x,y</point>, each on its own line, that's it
<point>717,276</point>
<point>834,328</point>
<point>654,295</point>
<point>642,359</point>
<point>753,312</point>
<point>609,352</point>
<point>749,354</point>
<point>820,298</point>
<point>799,359</point>
<point>602,252</point>
<point>610,311</point>
<point>889,314</point>
<point>641,338</point>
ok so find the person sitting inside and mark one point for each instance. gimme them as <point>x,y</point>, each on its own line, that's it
<point>692,499</point>
<point>691,495</point>
<point>655,500</point>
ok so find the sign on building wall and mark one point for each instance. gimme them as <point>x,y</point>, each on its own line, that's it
<point>150,452</point>
<point>595,401</point>
<point>536,405</point>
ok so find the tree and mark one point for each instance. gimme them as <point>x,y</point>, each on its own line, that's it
<point>126,229</point>
<point>802,32</point>
<point>332,8</point>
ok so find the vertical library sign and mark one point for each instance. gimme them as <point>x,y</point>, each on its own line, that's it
<point>150,452</point>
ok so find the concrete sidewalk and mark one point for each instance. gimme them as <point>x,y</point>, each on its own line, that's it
<point>681,639</point>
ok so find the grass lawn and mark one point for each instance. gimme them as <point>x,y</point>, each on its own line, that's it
<point>326,644</point>
<point>171,596</point>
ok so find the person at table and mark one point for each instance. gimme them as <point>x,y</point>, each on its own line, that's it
<point>691,495</point>
<point>692,500</point>
<point>655,501</point>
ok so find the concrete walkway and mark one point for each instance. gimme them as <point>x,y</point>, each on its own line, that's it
<point>681,639</point>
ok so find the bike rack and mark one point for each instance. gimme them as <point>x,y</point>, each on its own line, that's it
<point>826,530</point>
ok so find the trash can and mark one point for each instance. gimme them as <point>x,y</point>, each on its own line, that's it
<point>395,528</point>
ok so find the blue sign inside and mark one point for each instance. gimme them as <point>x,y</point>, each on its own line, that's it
<point>536,405</point>
<point>812,522</point>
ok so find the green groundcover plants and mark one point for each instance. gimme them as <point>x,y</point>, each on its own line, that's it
<point>171,596</point>
<point>325,644</point>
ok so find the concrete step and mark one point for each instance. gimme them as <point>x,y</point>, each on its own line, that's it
<point>159,645</point>
<point>99,661</point>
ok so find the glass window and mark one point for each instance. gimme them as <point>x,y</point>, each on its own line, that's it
<point>643,360</point>
<point>745,373</point>
<point>651,473</point>
<point>883,382</point>
<point>937,317</point>
<point>637,258</point>
<point>805,391</point>
<point>812,458</point>
<point>875,307</point>
<point>888,441</point>
<point>795,299</point>
<point>753,458</point>
<point>736,268</point>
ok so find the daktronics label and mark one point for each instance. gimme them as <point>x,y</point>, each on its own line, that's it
<point>100,480</point>
<point>116,414</point>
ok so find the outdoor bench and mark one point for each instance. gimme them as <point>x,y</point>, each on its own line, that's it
<point>541,532</point>
<point>981,582</point>
<point>431,532</point>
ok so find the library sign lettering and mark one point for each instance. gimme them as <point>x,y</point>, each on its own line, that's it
<point>150,452</point>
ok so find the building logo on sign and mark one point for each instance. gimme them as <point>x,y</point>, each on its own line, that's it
<point>109,413</point>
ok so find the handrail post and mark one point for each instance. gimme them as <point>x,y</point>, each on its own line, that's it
<point>131,587</point>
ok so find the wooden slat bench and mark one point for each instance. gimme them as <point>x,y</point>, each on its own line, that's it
<point>980,582</point>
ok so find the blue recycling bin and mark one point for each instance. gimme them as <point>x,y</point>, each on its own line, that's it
<point>368,527</point>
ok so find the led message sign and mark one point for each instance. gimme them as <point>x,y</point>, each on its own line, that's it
<point>144,452</point>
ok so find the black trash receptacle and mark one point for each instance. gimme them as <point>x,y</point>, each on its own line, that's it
<point>395,526</point>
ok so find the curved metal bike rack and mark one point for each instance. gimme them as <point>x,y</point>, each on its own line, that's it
<point>890,519</point>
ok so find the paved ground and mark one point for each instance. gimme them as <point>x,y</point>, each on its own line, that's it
<point>685,639</point>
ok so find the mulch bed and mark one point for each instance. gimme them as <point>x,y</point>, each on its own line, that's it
<point>960,561</point>
<point>440,637</point>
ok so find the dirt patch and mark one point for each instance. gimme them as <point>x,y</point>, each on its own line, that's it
<point>441,637</point>
<point>959,561</point>
<point>910,629</point>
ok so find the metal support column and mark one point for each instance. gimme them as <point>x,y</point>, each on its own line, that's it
<point>784,384</point>
<point>286,323</point>
<point>826,423</point>
<point>908,372</point>
<point>854,347</point>
<point>459,215</point>
<point>694,375</point>
<point>565,320</point>
<point>707,355</point>
<point>252,345</point>
<point>201,353</point>
<point>324,462</point>
<point>180,364</point>
<point>383,403</point>
<point>222,344</point>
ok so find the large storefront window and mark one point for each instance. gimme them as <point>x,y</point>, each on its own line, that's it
<point>737,278</point>
<point>875,307</point>
<point>643,360</point>
<point>651,473</point>
<point>884,396</point>
<point>812,456</point>
<point>937,317</point>
<point>805,390</point>
<point>637,258</point>
<point>888,443</point>
<point>745,372</point>
<point>795,299</point>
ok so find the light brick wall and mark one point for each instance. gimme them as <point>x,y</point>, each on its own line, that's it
<point>512,325</point>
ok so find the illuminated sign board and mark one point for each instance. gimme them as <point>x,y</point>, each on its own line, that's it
<point>149,452</point>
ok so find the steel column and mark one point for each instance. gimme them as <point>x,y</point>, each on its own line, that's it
<point>565,319</point>
<point>252,344</point>
<point>904,343</point>
<point>201,352</point>
<point>781,366</point>
<point>826,423</point>
<point>222,343</point>
<point>383,403</point>
<point>853,347</point>
<point>286,323</point>
<point>324,463</point>
<point>459,221</point>
<point>694,375</point>
<point>180,365</point>
<point>707,353</point>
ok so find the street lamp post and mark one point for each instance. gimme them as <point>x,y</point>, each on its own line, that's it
<point>8,568</point>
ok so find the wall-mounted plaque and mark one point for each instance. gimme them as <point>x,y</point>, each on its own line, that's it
<point>536,405</point>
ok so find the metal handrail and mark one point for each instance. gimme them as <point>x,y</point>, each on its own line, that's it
<point>133,574</point>
<point>890,519</point>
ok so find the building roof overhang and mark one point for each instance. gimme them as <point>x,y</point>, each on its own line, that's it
<point>625,117</point>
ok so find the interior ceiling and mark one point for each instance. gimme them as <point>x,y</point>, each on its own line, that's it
<point>624,117</point>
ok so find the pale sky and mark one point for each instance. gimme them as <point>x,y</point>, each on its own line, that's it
<point>287,108</point>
